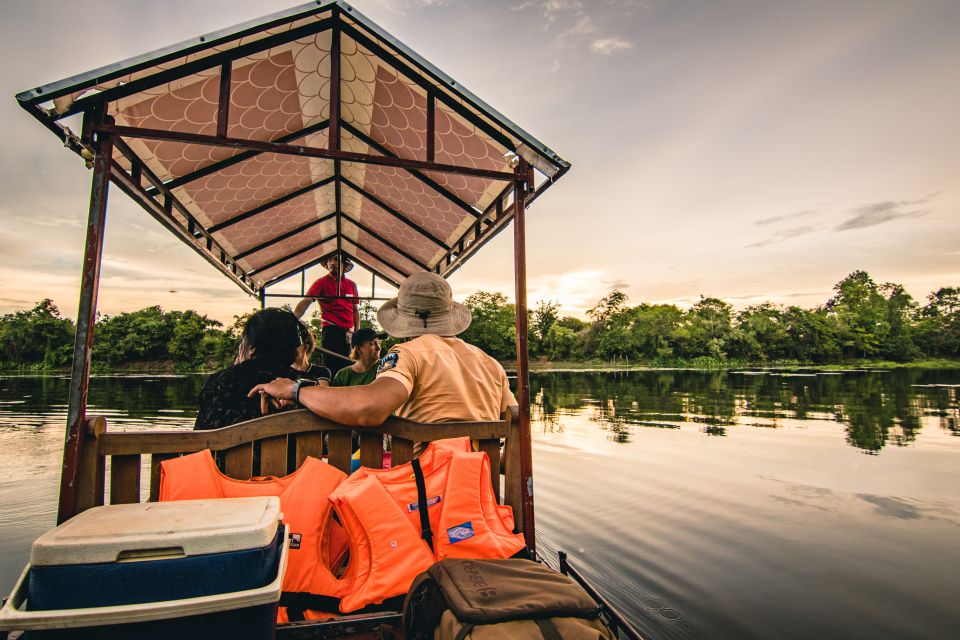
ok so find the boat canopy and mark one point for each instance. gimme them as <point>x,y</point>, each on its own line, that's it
<point>268,146</point>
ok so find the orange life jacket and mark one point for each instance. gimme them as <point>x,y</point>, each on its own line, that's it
<point>381,512</point>
<point>316,541</point>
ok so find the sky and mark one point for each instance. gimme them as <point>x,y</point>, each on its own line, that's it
<point>751,151</point>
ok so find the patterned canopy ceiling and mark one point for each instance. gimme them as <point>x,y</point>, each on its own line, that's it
<point>261,215</point>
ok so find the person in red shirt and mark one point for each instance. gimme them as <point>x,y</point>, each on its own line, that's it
<point>339,315</point>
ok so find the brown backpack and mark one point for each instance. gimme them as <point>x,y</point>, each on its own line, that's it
<point>459,599</point>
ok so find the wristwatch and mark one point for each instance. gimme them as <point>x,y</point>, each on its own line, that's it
<point>301,382</point>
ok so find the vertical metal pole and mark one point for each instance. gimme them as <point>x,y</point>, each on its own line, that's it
<point>373,285</point>
<point>431,127</point>
<point>334,141</point>
<point>303,282</point>
<point>223,104</point>
<point>263,298</point>
<point>523,374</point>
<point>86,318</point>
<point>334,129</point>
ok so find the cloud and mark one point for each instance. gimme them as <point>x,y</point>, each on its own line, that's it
<point>861,217</point>
<point>607,46</point>
<point>615,284</point>
<point>769,297</point>
<point>400,7</point>
<point>870,215</point>
<point>568,15</point>
<point>16,302</point>
<point>787,217</point>
<point>783,235</point>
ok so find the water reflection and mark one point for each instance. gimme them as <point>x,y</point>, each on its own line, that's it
<point>695,525</point>
<point>875,408</point>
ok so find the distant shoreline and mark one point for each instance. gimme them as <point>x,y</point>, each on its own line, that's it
<point>542,366</point>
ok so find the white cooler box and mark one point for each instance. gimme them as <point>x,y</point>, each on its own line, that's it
<point>188,569</point>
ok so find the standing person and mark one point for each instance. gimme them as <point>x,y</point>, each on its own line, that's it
<point>340,316</point>
<point>435,377</point>
<point>366,351</point>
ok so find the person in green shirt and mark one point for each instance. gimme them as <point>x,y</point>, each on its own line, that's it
<point>365,350</point>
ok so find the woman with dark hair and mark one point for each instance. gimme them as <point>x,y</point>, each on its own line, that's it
<point>302,363</point>
<point>272,343</point>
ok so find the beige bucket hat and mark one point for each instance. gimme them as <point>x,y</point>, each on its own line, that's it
<point>424,304</point>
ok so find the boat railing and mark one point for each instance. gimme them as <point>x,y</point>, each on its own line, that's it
<point>275,445</point>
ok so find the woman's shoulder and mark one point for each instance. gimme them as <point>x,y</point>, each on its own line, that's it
<point>245,373</point>
<point>315,372</point>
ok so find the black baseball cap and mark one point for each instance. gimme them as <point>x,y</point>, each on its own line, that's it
<point>362,335</point>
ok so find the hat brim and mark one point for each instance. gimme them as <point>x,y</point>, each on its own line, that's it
<point>450,323</point>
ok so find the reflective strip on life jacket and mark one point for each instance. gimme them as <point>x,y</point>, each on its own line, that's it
<point>380,510</point>
<point>316,541</point>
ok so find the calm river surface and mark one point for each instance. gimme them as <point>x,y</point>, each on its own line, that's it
<point>735,504</point>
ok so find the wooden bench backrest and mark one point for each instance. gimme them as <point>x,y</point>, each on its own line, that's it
<point>283,441</point>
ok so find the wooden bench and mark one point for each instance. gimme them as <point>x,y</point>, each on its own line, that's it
<point>277,444</point>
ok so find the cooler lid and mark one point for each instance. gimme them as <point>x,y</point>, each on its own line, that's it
<point>156,530</point>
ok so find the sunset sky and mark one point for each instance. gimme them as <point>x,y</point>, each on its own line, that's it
<point>746,150</point>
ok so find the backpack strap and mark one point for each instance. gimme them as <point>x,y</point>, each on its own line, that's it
<point>548,629</point>
<point>425,532</point>
<point>546,626</point>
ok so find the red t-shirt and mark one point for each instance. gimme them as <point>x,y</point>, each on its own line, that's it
<point>338,312</point>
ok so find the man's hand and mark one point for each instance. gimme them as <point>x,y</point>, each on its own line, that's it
<point>279,389</point>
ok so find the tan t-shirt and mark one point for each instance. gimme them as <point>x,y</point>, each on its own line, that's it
<point>448,380</point>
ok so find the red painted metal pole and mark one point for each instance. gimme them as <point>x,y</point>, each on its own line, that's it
<point>523,373</point>
<point>86,317</point>
<point>223,105</point>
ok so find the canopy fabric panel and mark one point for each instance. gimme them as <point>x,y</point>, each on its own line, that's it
<point>272,144</point>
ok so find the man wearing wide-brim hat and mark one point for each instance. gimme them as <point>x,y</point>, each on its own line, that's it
<point>435,377</point>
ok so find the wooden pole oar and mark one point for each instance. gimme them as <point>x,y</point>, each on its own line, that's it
<point>333,353</point>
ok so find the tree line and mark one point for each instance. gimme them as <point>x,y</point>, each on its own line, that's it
<point>863,320</point>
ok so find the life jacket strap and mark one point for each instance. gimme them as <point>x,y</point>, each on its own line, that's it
<point>425,532</point>
<point>297,602</point>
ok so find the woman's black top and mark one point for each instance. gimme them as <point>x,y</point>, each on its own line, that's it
<point>224,401</point>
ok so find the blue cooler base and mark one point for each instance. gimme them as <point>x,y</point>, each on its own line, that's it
<point>251,623</point>
<point>84,586</point>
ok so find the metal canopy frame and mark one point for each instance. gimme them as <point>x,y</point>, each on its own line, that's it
<point>112,150</point>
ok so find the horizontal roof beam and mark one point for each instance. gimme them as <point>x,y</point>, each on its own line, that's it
<point>314,245</point>
<point>124,181</point>
<point>285,236</point>
<point>380,238</point>
<point>270,205</point>
<point>317,261</point>
<point>240,157</point>
<point>396,214</point>
<point>355,258</point>
<point>297,150</point>
<point>429,87</point>
<point>449,195</point>
<point>175,73</point>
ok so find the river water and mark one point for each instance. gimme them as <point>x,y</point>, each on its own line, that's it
<point>736,504</point>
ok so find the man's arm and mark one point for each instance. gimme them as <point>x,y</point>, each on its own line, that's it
<point>356,317</point>
<point>301,307</point>
<point>362,406</point>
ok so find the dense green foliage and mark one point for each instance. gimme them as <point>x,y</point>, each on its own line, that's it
<point>38,337</point>
<point>41,338</point>
<point>863,320</point>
